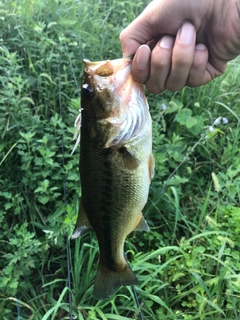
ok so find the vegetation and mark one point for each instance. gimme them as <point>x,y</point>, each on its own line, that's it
<point>188,265</point>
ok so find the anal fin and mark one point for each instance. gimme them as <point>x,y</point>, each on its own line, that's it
<point>82,225</point>
<point>142,224</point>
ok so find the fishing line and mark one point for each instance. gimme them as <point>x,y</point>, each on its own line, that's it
<point>65,198</point>
<point>18,309</point>
<point>71,65</point>
<point>139,305</point>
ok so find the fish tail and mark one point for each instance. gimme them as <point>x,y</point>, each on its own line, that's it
<point>107,281</point>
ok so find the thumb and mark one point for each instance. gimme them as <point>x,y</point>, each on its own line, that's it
<point>130,40</point>
<point>139,32</point>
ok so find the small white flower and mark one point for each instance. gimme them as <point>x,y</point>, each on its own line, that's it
<point>211,129</point>
<point>224,120</point>
<point>164,107</point>
<point>217,121</point>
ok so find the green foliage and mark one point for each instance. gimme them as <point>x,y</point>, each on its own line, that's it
<point>19,259</point>
<point>188,264</point>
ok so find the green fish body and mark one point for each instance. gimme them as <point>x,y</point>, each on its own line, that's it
<point>116,166</point>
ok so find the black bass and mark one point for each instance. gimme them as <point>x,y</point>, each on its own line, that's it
<point>116,166</point>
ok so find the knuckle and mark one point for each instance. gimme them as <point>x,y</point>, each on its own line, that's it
<point>192,82</point>
<point>196,81</point>
<point>122,35</point>
<point>161,59</point>
<point>198,64</point>
<point>172,86</point>
<point>153,88</point>
<point>182,62</point>
<point>160,62</point>
<point>140,77</point>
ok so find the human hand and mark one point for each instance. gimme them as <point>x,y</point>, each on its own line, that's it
<point>180,43</point>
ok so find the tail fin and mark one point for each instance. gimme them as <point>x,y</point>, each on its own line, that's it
<point>107,281</point>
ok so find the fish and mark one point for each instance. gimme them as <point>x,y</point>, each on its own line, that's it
<point>116,166</point>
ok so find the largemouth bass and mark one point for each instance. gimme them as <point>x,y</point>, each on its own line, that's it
<point>116,166</point>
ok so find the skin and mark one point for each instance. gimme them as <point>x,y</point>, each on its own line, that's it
<point>178,43</point>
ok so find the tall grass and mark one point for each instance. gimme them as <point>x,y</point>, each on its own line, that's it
<point>188,264</point>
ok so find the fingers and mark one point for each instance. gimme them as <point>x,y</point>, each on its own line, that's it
<point>161,61</point>
<point>171,60</point>
<point>141,64</point>
<point>202,71</point>
<point>170,63</point>
<point>199,74</point>
<point>174,63</point>
<point>182,57</point>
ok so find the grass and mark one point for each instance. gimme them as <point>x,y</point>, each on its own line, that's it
<point>188,264</point>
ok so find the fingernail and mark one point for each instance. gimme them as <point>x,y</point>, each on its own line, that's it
<point>166,42</point>
<point>143,55</point>
<point>127,55</point>
<point>201,47</point>
<point>187,33</point>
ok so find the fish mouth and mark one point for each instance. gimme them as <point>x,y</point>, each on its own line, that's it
<point>106,68</point>
<point>114,75</point>
<point>93,63</point>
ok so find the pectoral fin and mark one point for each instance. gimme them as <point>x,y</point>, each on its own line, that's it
<point>129,158</point>
<point>82,225</point>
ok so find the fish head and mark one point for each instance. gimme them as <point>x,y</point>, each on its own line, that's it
<point>104,87</point>
<point>108,93</point>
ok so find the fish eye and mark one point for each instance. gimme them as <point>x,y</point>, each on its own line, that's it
<point>87,90</point>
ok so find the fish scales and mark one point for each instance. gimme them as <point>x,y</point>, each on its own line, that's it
<point>101,193</point>
<point>116,166</point>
